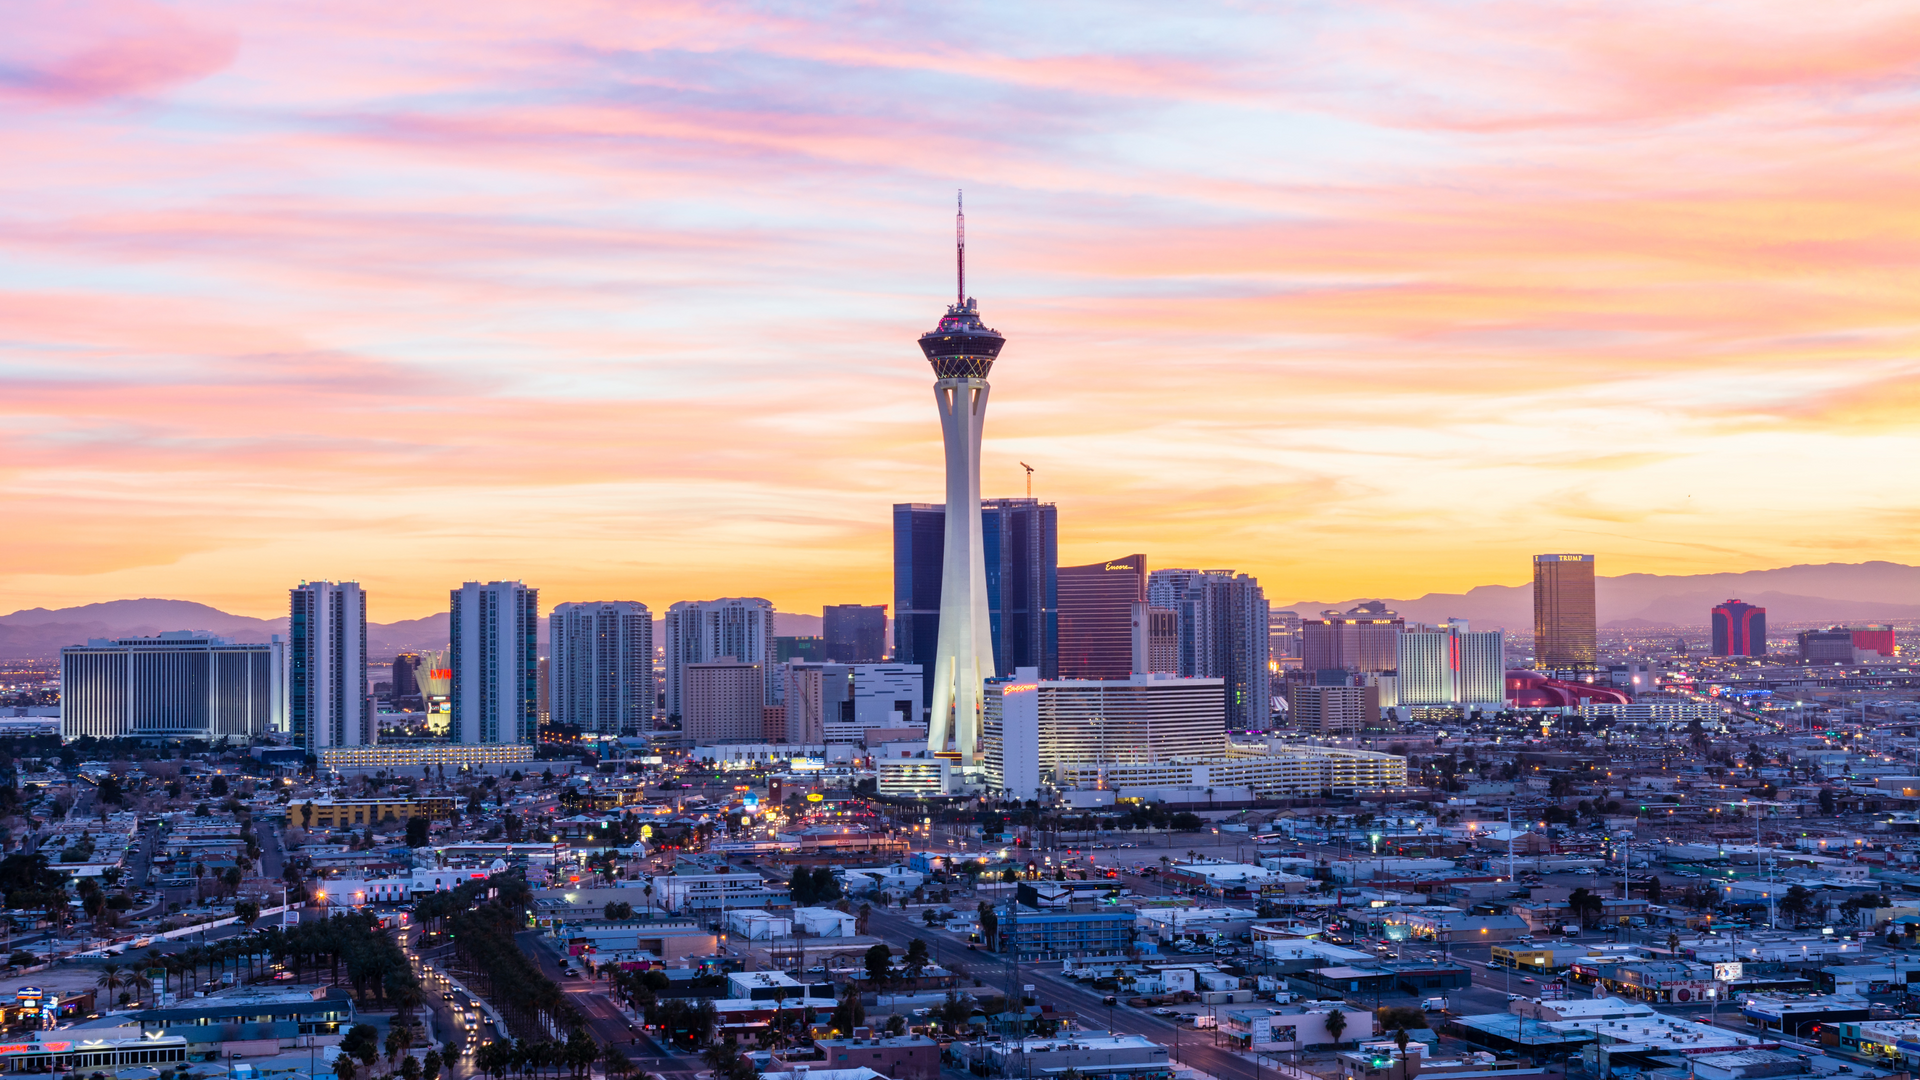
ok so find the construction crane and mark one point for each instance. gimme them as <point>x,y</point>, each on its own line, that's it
<point>1029,469</point>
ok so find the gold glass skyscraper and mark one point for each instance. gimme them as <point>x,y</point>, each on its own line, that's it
<point>1564,633</point>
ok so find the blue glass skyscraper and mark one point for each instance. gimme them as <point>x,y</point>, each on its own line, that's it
<point>1022,557</point>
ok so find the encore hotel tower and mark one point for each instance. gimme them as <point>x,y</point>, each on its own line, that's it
<point>1564,634</point>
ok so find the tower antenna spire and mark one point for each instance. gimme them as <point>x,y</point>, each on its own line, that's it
<point>960,247</point>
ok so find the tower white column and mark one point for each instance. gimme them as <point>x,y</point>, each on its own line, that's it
<point>964,653</point>
<point>962,350</point>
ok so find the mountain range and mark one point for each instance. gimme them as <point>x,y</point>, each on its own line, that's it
<point>1824,593</point>
<point>40,633</point>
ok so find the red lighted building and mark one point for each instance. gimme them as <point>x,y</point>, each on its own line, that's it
<point>1535,690</point>
<point>1874,638</point>
<point>1096,617</point>
<point>1739,629</point>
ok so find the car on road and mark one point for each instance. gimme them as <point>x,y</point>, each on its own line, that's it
<point>1109,1000</point>
<point>1527,980</point>
<point>1165,1012</point>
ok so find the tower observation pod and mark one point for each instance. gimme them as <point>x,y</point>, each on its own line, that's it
<point>961,350</point>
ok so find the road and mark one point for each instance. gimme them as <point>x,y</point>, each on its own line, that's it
<point>605,1022</point>
<point>1189,1047</point>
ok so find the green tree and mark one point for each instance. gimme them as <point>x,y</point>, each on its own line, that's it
<point>850,1013</point>
<point>418,835</point>
<point>954,1011</point>
<point>879,964</point>
<point>1336,1025</point>
<point>916,960</point>
<point>989,926</point>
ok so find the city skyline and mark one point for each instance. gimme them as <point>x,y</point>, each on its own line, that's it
<point>1389,322</point>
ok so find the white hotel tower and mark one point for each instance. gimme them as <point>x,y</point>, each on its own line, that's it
<point>961,351</point>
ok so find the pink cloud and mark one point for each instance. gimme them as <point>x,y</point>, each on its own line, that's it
<point>89,51</point>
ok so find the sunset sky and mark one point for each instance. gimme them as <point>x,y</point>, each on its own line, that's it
<point>621,299</point>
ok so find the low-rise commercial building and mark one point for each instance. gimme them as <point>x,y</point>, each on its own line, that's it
<point>411,757</point>
<point>325,813</point>
<point>1050,934</point>
<point>713,892</point>
<point>1271,772</point>
<point>1096,1055</point>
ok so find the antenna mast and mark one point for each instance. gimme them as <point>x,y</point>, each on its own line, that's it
<point>960,248</point>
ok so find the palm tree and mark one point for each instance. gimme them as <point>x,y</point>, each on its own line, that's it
<point>1336,1024</point>
<point>110,980</point>
<point>1400,1039</point>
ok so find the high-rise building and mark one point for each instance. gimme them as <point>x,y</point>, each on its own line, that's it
<point>1874,641</point>
<point>839,703</point>
<point>1333,704</point>
<point>725,701</point>
<point>812,650</point>
<point>1156,640</point>
<point>405,685</point>
<point>1223,635</point>
<point>178,685</point>
<point>1033,725</point>
<point>1283,638</point>
<point>495,658</point>
<point>1565,637</point>
<point>600,666</point>
<point>1739,629</point>
<point>1364,640</point>
<point>328,706</point>
<point>1022,582</point>
<point>854,633</point>
<point>1096,617</point>
<point>1166,588</point>
<point>1452,666</point>
<point>435,679</point>
<point>704,631</point>
<point>1847,644</point>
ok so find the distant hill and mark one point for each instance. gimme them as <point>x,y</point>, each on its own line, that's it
<point>1829,592</point>
<point>40,633</point>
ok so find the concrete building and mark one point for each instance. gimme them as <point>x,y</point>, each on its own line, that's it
<point>1031,726</point>
<point>704,631</point>
<point>494,654</point>
<point>894,1057</point>
<point>327,701</point>
<point>1452,666</point>
<point>328,813</point>
<point>1284,639</point>
<point>600,667</point>
<point>1223,635</point>
<point>714,892</point>
<point>1096,1055</point>
<point>840,703</point>
<point>178,685</point>
<point>1040,935</point>
<point>723,701</point>
<point>1363,640</point>
<point>921,775</point>
<point>1156,640</point>
<point>1282,772</point>
<point>1334,707</point>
